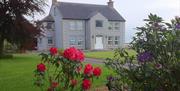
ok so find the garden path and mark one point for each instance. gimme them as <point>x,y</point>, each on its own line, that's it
<point>94,60</point>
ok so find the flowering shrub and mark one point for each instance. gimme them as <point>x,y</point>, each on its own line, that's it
<point>63,71</point>
<point>156,67</point>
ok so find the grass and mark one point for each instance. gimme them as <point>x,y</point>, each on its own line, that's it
<point>16,74</point>
<point>105,54</point>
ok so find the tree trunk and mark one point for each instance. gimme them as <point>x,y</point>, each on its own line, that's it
<point>1,46</point>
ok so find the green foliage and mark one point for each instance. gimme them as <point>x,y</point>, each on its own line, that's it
<point>156,66</point>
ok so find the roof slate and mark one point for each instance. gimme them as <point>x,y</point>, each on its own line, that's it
<point>85,11</point>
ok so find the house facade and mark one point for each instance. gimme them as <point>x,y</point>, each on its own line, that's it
<point>84,26</point>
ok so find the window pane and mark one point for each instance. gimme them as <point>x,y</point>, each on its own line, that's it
<point>110,38</point>
<point>49,25</point>
<point>79,25</point>
<point>110,26</point>
<point>72,41</point>
<point>50,40</point>
<point>72,25</point>
<point>80,42</point>
<point>99,23</point>
<point>117,26</point>
<point>116,37</point>
<point>116,42</point>
<point>110,42</point>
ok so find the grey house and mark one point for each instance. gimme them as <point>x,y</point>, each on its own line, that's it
<point>84,26</point>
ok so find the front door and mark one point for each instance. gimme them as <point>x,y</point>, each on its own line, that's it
<point>99,42</point>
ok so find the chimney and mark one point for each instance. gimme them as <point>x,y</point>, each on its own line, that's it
<point>54,2</point>
<point>110,4</point>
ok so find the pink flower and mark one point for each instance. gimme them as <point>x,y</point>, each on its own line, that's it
<point>53,50</point>
<point>73,54</point>
<point>88,69</point>
<point>41,67</point>
<point>97,71</point>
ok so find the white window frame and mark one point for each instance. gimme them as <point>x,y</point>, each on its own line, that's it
<point>117,26</point>
<point>110,40</point>
<point>116,39</point>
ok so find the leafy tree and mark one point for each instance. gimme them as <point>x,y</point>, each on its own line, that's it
<point>14,26</point>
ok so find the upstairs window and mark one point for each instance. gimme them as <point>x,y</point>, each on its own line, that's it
<point>114,25</point>
<point>99,23</point>
<point>76,25</point>
<point>117,26</point>
<point>110,26</point>
<point>79,25</point>
<point>72,25</point>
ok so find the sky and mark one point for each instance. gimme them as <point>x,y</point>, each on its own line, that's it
<point>134,11</point>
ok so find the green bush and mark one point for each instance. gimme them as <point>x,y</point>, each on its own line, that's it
<point>156,67</point>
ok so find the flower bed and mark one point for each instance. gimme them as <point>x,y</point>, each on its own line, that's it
<point>64,71</point>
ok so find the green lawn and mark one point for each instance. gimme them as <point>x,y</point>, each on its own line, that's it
<point>105,54</point>
<point>16,74</point>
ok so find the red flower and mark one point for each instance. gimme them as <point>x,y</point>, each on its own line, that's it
<point>88,69</point>
<point>74,82</point>
<point>53,50</point>
<point>41,67</point>
<point>54,84</point>
<point>97,71</point>
<point>73,54</point>
<point>86,84</point>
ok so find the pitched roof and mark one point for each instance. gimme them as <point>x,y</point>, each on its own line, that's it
<point>48,18</point>
<point>85,11</point>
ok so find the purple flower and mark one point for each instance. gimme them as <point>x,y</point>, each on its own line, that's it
<point>158,66</point>
<point>110,78</point>
<point>145,56</point>
<point>178,26</point>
